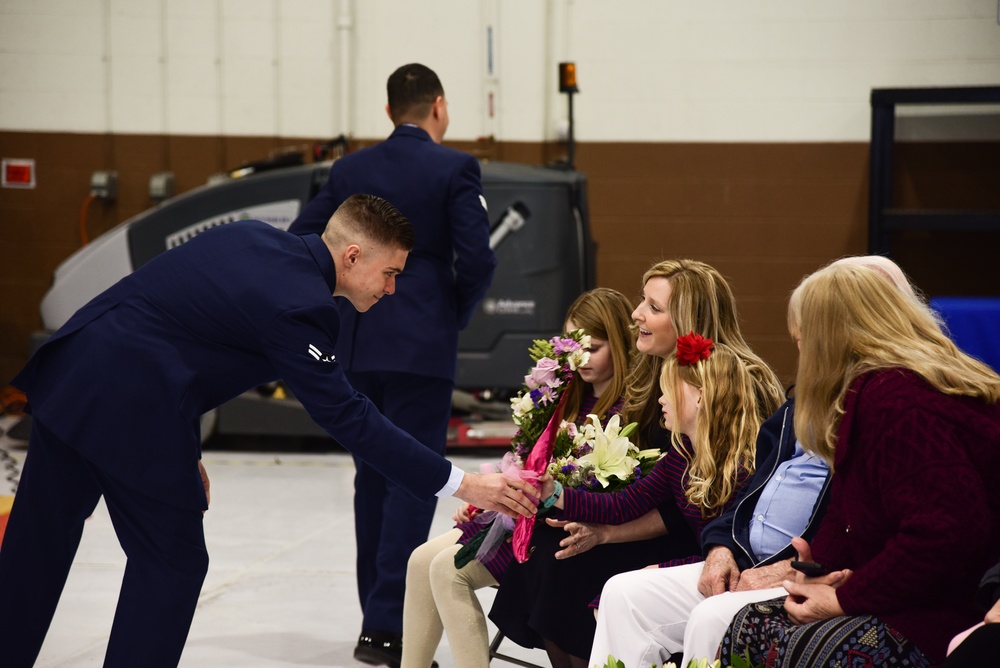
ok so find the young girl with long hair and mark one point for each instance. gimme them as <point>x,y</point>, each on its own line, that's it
<point>709,406</point>
<point>718,395</point>
<point>439,596</point>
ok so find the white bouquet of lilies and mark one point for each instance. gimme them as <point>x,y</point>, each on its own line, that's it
<point>599,458</point>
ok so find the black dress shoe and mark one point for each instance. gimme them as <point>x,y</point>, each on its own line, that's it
<point>377,648</point>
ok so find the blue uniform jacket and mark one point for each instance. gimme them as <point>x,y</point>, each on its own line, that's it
<point>449,270</point>
<point>127,378</point>
<point>775,444</point>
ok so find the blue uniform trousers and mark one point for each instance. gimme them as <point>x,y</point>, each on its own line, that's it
<point>164,545</point>
<point>390,522</point>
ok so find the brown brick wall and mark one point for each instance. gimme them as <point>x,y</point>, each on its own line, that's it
<point>763,214</point>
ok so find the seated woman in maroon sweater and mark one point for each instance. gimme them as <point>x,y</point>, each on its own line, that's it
<point>910,426</point>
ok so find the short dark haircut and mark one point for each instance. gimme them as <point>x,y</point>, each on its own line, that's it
<point>412,90</point>
<point>377,220</point>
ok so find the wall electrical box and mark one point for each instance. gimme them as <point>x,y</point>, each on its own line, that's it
<point>161,186</point>
<point>104,185</point>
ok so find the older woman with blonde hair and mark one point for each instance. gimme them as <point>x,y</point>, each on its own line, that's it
<point>910,426</point>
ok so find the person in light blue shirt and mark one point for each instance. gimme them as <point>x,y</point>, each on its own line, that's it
<point>783,508</point>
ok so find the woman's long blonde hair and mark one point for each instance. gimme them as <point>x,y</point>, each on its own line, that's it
<point>727,422</point>
<point>850,320</point>
<point>700,301</point>
<point>605,314</point>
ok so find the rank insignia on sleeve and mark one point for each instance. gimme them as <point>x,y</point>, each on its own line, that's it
<point>320,355</point>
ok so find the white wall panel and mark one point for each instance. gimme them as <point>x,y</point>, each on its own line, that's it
<point>51,69</point>
<point>56,109</point>
<point>248,97</point>
<point>54,72</point>
<point>137,94</point>
<point>771,72</point>
<point>445,35</point>
<point>51,33</point>
<point>192,114</point>
<point>52,91</point>
<point>192,36</point>
<point>249,10</point>
<point>670,70</point>
<point>308,78</point>
<point>249,60</point>
<point>523,73</point>
<point>193,64</point>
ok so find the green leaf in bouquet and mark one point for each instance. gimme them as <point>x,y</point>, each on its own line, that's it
<point>612,662</point>
<point>468,551</point>
<point>629,429</point>
<point>563,446</point>
<point>744,661</point>
<point>737,662</point>
<point>540,348</point>
<point>704,663</point>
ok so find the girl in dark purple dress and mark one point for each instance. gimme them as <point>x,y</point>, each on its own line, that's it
<point>441,597</point>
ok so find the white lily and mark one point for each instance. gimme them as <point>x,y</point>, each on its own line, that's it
<point>649,453</point>
<point>612,452</point>
<point>578,358</point>
<point>521,405</point>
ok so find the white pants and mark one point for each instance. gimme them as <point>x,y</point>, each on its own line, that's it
<point>440,597</point>
<point>645,616</point>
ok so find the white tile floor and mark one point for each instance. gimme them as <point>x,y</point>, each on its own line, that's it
<point>280,589</point>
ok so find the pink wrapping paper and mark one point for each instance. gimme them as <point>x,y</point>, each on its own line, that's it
<point>537,462</point>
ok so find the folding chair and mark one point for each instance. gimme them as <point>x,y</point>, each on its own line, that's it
<point>495,653</point>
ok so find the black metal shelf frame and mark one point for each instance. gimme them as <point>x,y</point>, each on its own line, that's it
<point>883,219</point>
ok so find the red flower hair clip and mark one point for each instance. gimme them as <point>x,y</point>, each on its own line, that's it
<point>693,348</point>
